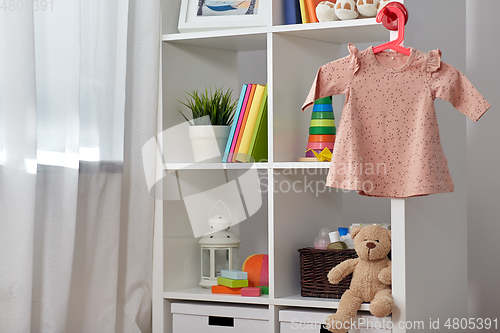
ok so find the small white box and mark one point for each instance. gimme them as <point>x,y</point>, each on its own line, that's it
<point>209,318</point>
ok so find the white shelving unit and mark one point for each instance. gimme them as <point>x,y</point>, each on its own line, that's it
<point>287,58</point>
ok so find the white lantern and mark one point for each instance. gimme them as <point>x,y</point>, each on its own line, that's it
<point>219,250</point>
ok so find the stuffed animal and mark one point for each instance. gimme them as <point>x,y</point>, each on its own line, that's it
<point>325,11</point>
<point>371,280</point>
<point>346,9</point>
<point>367,8</point>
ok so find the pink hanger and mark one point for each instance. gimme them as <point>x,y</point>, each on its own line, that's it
<point>394,17</point>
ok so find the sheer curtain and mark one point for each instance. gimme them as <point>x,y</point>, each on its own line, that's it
<point>78,100</point>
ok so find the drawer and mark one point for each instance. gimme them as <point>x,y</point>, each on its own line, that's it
<point>310,321</point>
<point>210,318</point>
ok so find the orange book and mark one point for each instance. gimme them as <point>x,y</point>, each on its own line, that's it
<point>242,129</point>
<point>311,9</point>
<point>225,290</point>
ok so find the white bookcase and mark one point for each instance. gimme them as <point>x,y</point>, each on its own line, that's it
<point>429,256</point>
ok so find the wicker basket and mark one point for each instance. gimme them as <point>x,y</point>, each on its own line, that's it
<point>314,268</point>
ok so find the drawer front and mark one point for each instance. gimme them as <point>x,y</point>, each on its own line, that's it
<point>286,327</point>
<point>183,323</point>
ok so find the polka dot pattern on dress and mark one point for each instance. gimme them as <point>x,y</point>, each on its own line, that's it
<point>387,142</point>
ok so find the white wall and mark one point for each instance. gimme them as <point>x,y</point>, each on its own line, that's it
<point>436,225</point>
<point>483,161</point>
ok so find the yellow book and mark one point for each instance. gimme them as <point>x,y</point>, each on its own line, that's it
<point>251,120</point>
<point>303,11</point>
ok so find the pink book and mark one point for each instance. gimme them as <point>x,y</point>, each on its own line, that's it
<point>240,120</point>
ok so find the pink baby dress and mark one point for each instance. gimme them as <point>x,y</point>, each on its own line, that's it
<point>388,144</point>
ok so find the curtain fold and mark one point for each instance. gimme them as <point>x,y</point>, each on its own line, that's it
<point>78,100</point>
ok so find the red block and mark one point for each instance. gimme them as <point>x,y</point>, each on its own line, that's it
<point>225,290</point>
<point>251,291</point>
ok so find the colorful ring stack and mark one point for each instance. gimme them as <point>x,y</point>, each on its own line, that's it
<point>322,128</point>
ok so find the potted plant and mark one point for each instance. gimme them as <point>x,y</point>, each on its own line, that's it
<point>212,116</point>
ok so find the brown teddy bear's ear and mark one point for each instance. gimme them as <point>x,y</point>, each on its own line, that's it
<point>389,234</point>
<point>355,231</point>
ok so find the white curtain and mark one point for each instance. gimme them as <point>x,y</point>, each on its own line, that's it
<point>78,100</point>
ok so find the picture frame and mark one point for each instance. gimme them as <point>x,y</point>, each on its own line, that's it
<point>221,14</point>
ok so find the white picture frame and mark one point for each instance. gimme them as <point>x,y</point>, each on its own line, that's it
<point>191,21</point>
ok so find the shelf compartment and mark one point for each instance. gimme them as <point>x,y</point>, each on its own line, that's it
<point>202,294</point>
<point>312,302</point>
<point>303,206</point>
<point>242,191</point>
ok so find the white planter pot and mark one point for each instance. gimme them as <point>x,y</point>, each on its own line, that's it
<point>208,142</point>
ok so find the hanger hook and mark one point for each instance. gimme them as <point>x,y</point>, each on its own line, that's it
<point>388,15</point>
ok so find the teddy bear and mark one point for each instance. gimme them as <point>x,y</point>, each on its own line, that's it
<point>371,279</point>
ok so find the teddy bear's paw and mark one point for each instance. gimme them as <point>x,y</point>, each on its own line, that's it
<point>382,306</point>
<point>385,277</point>
<point>334,277</point>
<point>338,323</point>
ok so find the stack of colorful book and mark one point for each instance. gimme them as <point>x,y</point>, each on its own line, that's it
<point>247,140</point>
<point>301,11</point>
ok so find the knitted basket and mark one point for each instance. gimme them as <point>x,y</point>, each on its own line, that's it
<point>314,267</point>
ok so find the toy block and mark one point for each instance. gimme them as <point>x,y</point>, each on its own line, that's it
<point>322,123</point>
<point>234,274</point>
<point>232,283</point>
<point>251,292</point>
<point>324,100</point>
<point>321,138</point>
<point>322,115</point>
<point>322,108</point>
<point>320,145</point>
<point>264,289</point>
<point>225,290</point>
<point>322,130</point>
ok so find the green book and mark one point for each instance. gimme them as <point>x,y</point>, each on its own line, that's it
<point>258,144</point>
<point>232,283</point>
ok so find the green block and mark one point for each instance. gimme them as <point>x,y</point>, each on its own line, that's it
<point>324,100</point>
<point>264,289</point>
<point>322,123</point>
<point>322,115</point>
<point>232,283</point>
<point>322,130</point>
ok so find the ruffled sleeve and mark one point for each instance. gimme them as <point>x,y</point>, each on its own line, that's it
<point>353,58</point>
<point>433,61</point>
<point>334,78</point>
